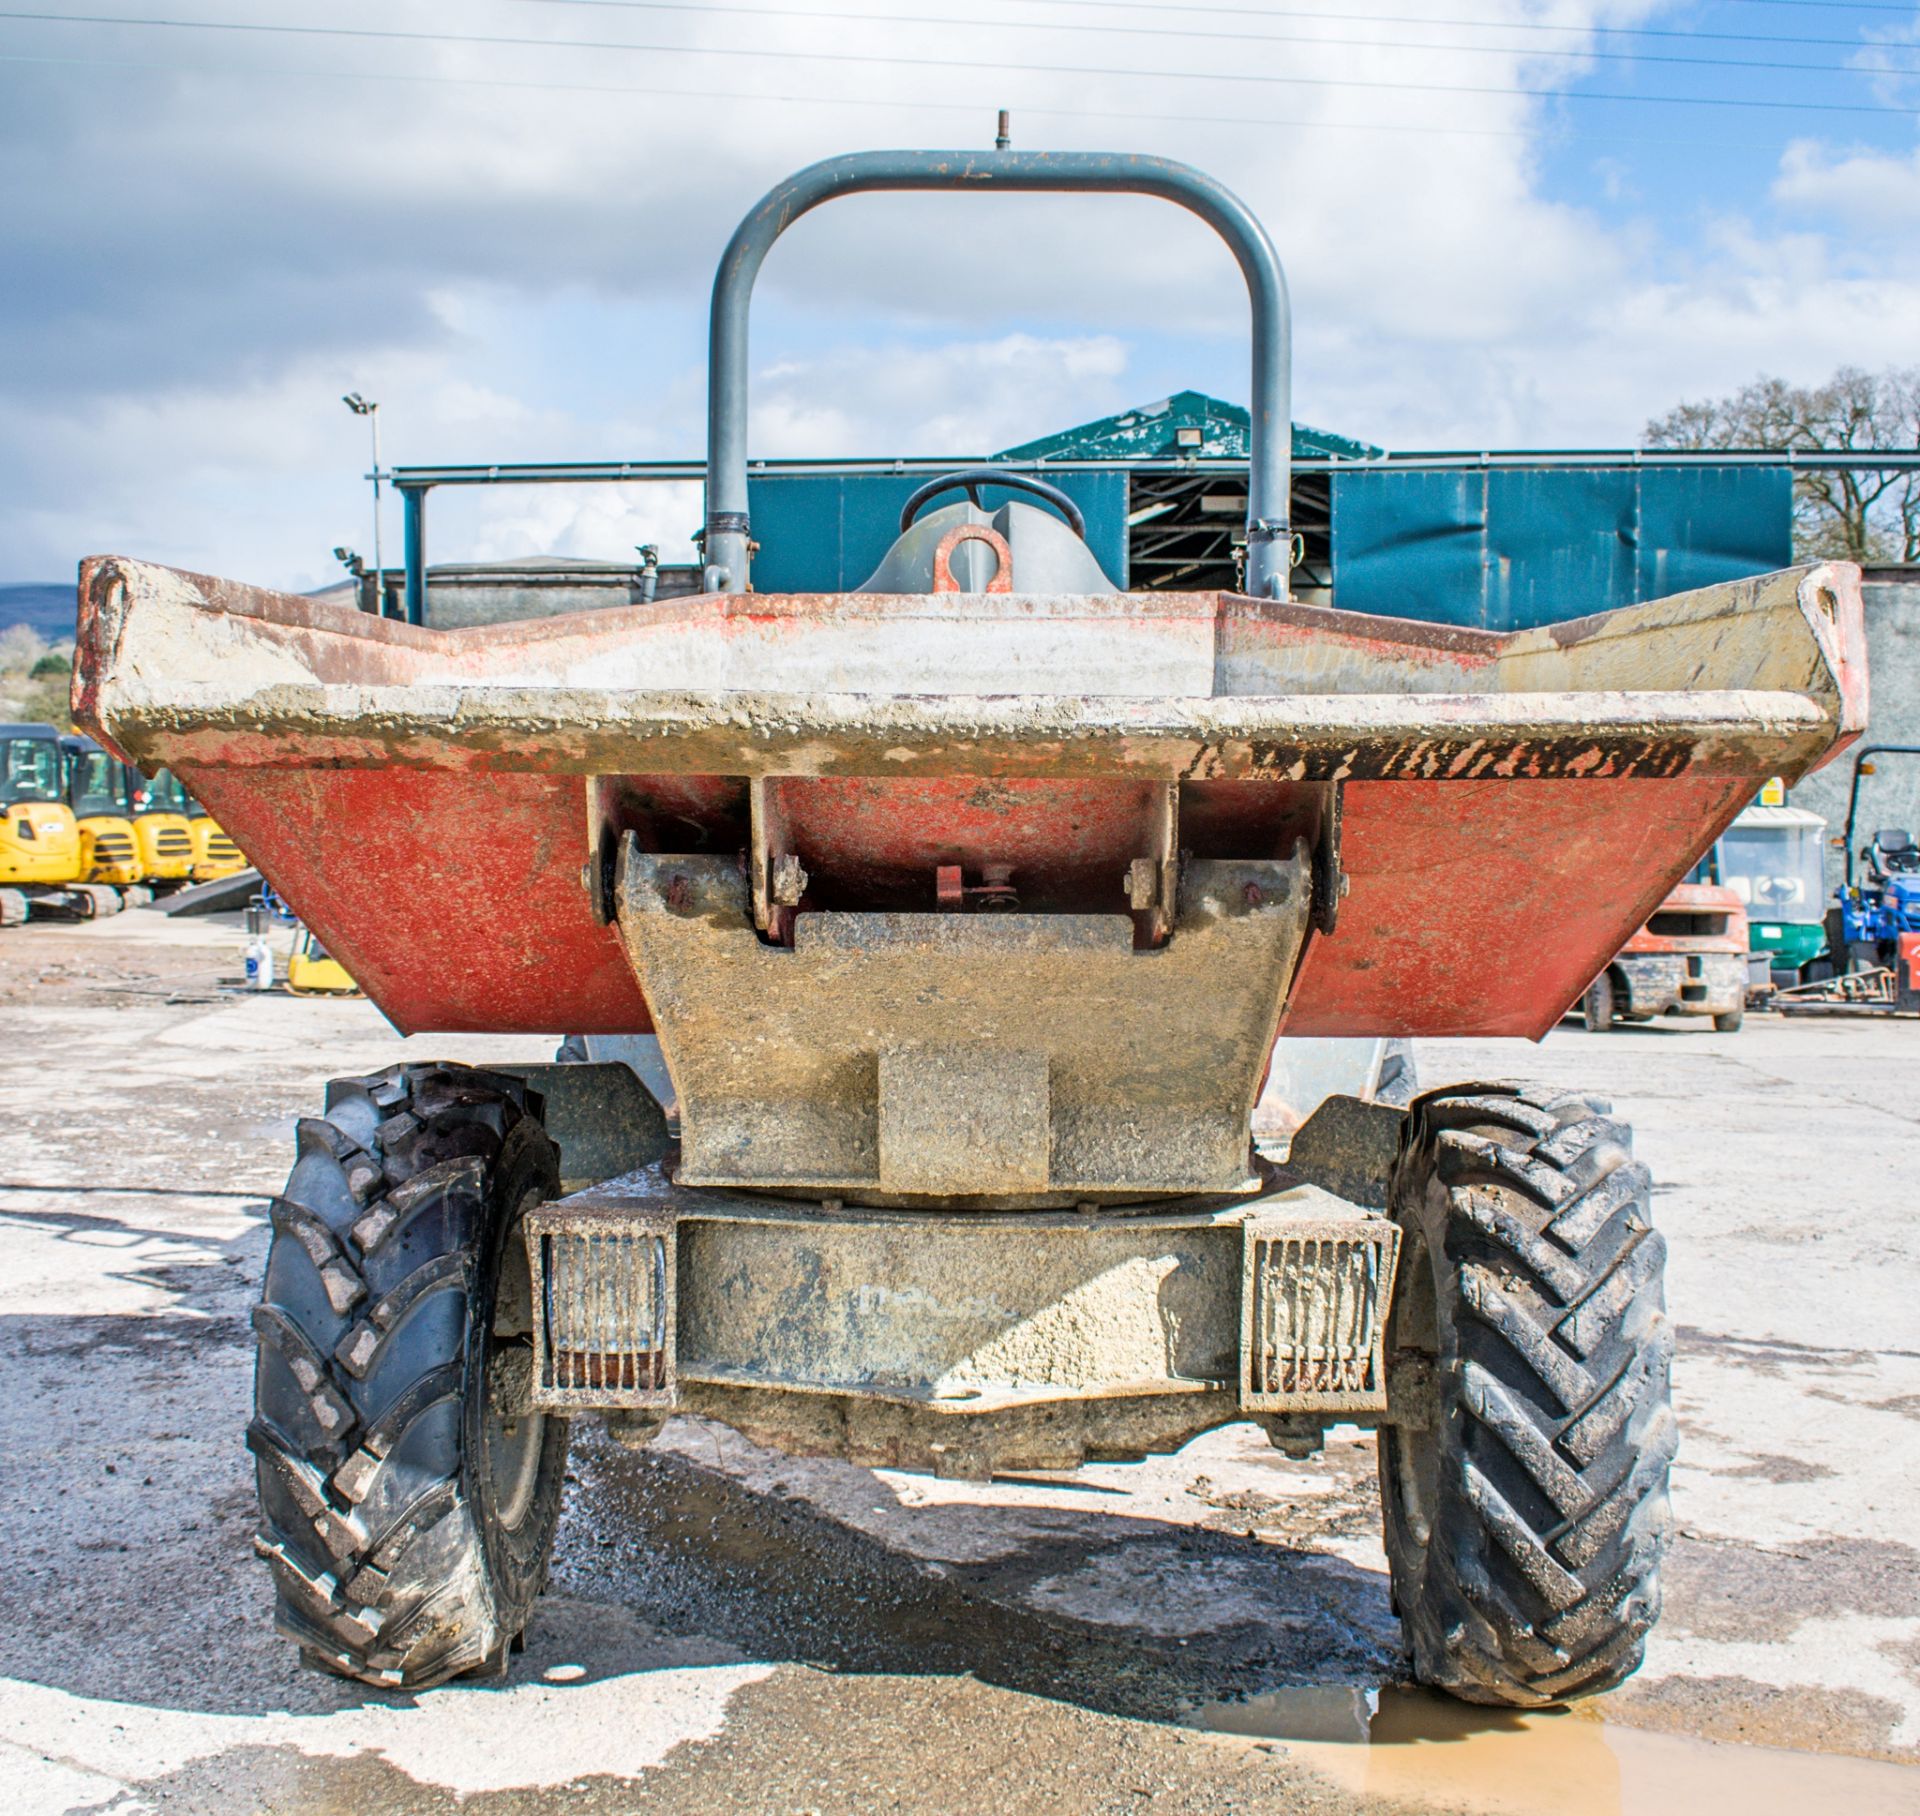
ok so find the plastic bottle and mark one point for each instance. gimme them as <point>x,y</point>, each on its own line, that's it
<point>259,964</point>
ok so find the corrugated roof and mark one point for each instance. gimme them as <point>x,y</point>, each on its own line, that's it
<point>1151,432</point>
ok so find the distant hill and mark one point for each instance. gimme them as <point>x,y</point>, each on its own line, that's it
<point>48,608</point>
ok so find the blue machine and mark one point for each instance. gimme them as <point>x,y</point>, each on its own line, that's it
<point>1882,901</point>
<point>1873,927</point>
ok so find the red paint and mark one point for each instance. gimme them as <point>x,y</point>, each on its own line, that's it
<point>877,842</point>
<point>442,865</point>
<point>1486,907</point>
<point>454,900</point>
<point>943,580</point>
<point>1476,908</point>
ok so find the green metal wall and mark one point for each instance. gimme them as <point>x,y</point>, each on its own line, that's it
<point>1509,548</point>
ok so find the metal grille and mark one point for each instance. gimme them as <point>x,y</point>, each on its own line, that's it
<point>113,848</point>
<point>1316,1309</point>
<point>606,1316</point>
<point>172,843</point>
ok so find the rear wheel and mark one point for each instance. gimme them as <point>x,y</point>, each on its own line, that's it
<point>1526,1513</point>
<point>408,1492</point>
<point>1730,1022</point>
<point>1596,1007</point>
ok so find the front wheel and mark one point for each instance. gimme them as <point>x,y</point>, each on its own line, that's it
<point>1525,1505</point>
<point>408,1491</point>
<point>1729,1023</point>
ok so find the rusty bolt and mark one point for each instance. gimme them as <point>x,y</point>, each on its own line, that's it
<point>1142,884</point>
<point>1254,895</point>
<point>679,893</point>
<point>789,881</point>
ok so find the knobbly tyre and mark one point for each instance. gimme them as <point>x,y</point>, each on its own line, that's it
<point>967,908</point>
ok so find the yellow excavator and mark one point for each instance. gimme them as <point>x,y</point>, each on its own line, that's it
<point>40,851</point>
<point>162,833</point>
<point>97,791</point>
<point>214,853</point>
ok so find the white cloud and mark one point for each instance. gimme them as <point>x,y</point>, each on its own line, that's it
<point>1866,195</point>
<point>957,397</point>
<point>597,523</point>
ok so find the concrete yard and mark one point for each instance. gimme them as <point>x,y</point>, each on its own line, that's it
<point>730,1630</point>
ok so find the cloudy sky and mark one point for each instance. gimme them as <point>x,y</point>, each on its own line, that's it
<point>1507,223</point>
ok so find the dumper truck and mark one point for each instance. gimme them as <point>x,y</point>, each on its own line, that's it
<point>971,909</point>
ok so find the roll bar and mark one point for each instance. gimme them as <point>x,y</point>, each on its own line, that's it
<point>1269,476</point>
<point>1861,756</point>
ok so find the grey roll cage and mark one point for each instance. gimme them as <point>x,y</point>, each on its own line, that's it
<point>1860,759</point>
<point>1269,475</point>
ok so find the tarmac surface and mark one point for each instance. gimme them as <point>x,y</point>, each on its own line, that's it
<point>732,1630</point>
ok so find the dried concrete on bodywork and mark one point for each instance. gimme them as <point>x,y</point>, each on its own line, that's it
<point>730,1629</point>
<point>175,667</point>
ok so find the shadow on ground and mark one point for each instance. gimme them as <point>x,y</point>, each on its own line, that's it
<point>133,1579</point>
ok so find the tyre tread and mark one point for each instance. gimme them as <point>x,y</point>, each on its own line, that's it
<point>1539,1578</point>
<point>366,1524</point>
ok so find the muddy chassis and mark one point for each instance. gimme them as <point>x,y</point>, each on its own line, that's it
<point>464,1261</point>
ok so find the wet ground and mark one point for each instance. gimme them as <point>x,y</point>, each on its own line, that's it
<point>731,1630</point>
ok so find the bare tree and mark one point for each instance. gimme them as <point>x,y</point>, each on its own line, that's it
<point>1870,515</point>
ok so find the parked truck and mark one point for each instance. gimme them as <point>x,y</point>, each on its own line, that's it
<point>970,908</point>
<point>1691,958</point>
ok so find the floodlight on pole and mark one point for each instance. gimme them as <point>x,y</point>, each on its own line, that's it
<point>371,411</point>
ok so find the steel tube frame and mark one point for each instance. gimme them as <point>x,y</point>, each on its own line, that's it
<point>654,472</point>
<point>1269,527</point>
<point>1860,756</point>
<point>414,519</point>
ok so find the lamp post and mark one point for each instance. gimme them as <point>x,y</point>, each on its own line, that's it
<point>360,407</point>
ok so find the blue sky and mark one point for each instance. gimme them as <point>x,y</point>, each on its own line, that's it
<point>210,234</point>
<point>1659,159</point>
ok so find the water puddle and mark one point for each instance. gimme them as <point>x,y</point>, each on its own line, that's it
<point>1429,1750</point>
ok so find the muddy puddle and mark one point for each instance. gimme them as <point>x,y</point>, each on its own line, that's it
<point>1431,1752</point>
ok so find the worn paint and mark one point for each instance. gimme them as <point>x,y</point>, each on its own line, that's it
<point>1485,907</point>
<point>1515,804</point>
<point>454,902</point>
